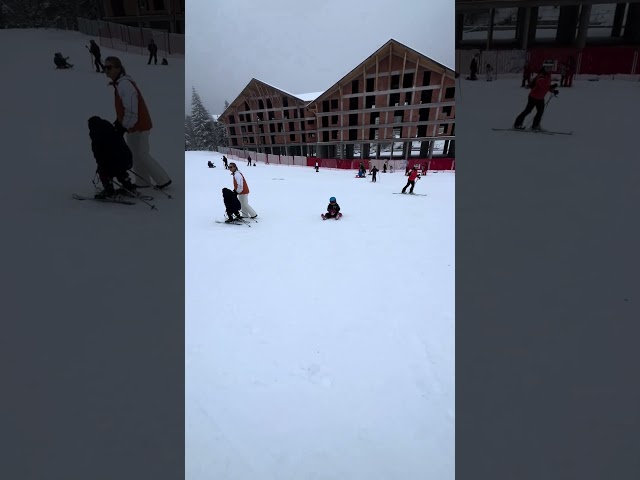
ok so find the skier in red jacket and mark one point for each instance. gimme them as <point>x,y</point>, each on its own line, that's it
<point>413,175</point>
<point>540,86</point>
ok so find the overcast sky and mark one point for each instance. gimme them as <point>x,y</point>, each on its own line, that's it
<point>302,46</point>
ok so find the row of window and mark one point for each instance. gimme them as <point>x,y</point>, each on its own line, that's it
<point>443,129</point>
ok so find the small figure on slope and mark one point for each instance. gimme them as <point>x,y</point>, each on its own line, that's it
<point>232,205</point>
<point>210,164</point>
<point>317,167</point>
<point>60,61</point>
<point>540,86</point>
<point>333,210</point>
<point>95,53</point>
<point>374,172</point>
<point>413,176</point>
<point>112,155</point>
<point>226,162</point>
<point>489,70</point>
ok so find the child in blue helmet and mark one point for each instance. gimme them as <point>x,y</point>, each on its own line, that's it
<point>333,210</point>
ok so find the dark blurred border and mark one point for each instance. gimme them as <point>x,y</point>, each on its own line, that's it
<point>547,317</point>
<point>91,346</point>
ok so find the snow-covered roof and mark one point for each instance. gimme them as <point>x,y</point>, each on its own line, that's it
<point>308,97</point>
<point>305,97</point>
<point>215,117</point>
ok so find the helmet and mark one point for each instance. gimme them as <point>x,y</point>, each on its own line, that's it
<point>332,199</point>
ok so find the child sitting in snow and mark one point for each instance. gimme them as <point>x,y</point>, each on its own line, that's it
<point>333,210</point>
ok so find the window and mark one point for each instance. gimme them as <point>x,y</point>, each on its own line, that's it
<point>353,134</point>
<point>325,106</point>
<point>355,86</point>
<point>450,92</point>
<point>334,104</point>
<point>370,84</point>
<point>334,134</point>
<point>353,103</point>
<point>425,96</point>
<point>442,129</point>
<point>246,106</point>
<point>394,99</point>
<point>370,101</point>
<point>407,98</point>
<point>325,121</point>
<point>158,4</point>
<point>232,119</point>
<point>395,82</point>
<point>291,126</point>
<point>250,127</point>
<point>310,122</point>
<point>353,119</point>
<point>269,104</point>
<point>334,119</point>
<point>426,79</point>
<point>261,104</point>
<point>325,136</point>
<point>232,130</point>
<point>241,117</point>
<point>285,102</point>
<point>407,80</point>
<point>243,129</point>
<point>292,137</point>
<point>447,110</point>
<point>374,119</point>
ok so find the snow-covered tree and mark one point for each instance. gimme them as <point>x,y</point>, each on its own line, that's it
<point>189,140</point>
<point>203,125</point>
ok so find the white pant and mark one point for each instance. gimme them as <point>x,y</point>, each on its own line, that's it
<point>143,163</point>
<point>245,207</point>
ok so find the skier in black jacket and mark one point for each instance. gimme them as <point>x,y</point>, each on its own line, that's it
<point>112,156</point>
<point>95,51</point>
<point>231,205</point>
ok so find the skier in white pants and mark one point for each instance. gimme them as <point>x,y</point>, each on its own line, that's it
<point>242,189</point>
<point>134,119</point>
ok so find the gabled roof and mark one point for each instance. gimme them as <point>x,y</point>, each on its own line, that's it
<point>382,50</point>
<point>303,98</point>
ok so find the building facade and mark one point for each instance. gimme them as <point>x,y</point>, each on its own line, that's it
<point>156,14</point>
<point>397,103</point>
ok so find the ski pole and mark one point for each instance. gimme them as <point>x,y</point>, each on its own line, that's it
<point>153,207</point>
<point>149,185</point>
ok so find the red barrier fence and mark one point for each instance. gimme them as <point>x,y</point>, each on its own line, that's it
<point>597,60</point>
<point>341,164</point>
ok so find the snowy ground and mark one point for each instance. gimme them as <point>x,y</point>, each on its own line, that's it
<point>88,271</point>
<point>319,349</point>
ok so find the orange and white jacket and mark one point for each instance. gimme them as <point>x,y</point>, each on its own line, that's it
<point>240,184</point>
<point>131,110</point>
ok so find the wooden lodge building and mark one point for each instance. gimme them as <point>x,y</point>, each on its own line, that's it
<point>395,104</point>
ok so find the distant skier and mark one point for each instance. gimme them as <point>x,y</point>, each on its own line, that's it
<point>112,155</point>
<point>232,205</point>
<point>249,161</point>
<point>210,164</point>
<point>473,68</point>
<point>384,168</point>
<point>242,189</point>
<point>153,52</point>
<point>374,172</point>
<point>95,52</point>
<point>333,210</point>
<point>225,161</point>
<point>413,176</point>
<point>317,167</point>
<point>489,70</point>
<point>540,86</point>
<point>563,75</point>
<point>571,70</point>
<point>60,61</point>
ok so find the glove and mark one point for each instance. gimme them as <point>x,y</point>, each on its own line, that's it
<point>119,128</point>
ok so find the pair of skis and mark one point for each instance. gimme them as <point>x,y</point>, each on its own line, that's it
<point>418,194</point>
<point>529,130</point>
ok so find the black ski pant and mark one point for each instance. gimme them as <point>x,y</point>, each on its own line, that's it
<point>525,81</point>
<point>373,178</point>
<point>154,56</point>
<point>98,63</point>
<point>531,104</point>
<point>409,182</point>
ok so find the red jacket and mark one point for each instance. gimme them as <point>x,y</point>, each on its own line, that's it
<point>413,175</point>
<point>541,87</point>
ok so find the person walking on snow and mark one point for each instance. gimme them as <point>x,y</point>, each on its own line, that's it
<point>317,167</point>
<point>249,161</point>
<point>333,210</point>
<point>153,52</point>
<point>133,119</point>
<point>540,86</point>
<point>95,52</point>
<point>374,172</point>
<point>226,163</point>
<point>242,189</point>
<point>413,176</point>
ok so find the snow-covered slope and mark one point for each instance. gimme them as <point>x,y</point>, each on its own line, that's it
<point>319,349</point>
<point>77,275</point>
